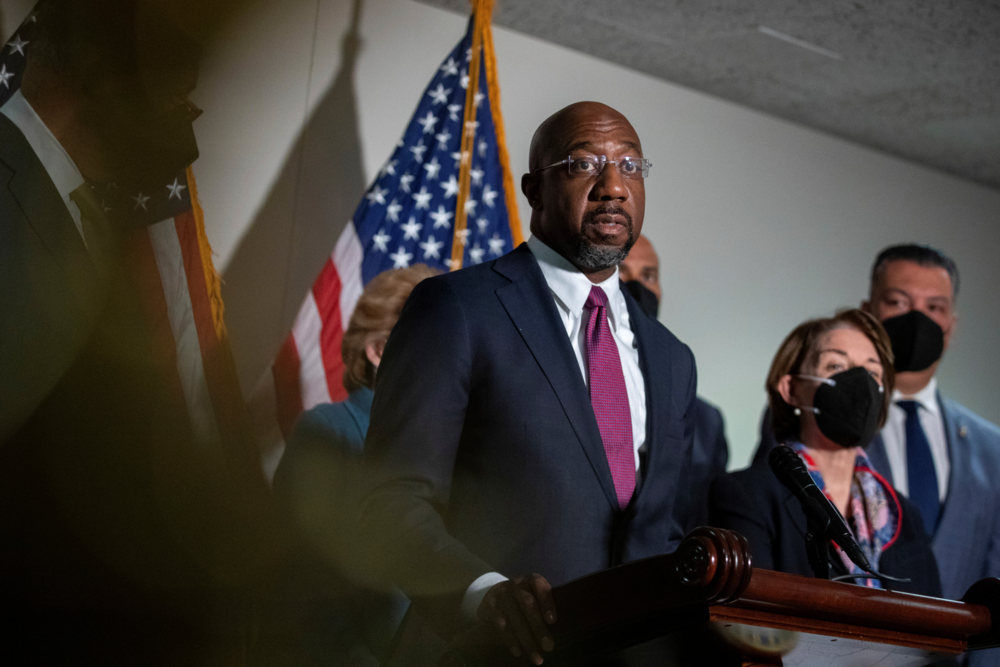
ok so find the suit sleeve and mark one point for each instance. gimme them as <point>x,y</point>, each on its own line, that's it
<point>719,458</point>
<point>421,395</point>
<point>730,506</point>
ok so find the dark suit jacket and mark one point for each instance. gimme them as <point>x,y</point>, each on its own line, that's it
<point>49,291</point>
<point>709,457</point>
<point>115,529</point>
<point>754,503</point>
<point>486,452</point>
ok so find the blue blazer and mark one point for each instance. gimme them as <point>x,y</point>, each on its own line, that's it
<point>967,540</point>
<point>484,449</point>
<point>332,617</point>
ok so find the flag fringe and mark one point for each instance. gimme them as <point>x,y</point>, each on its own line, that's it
<point>493,88</point>
<point>213,282</point>
<point>481,11</point>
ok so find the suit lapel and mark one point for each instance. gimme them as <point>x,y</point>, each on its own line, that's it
<point>794,509</point>
<point>958,470</point>
<point>530,306</point>
<point>45,211</point>
<point>653,356</point>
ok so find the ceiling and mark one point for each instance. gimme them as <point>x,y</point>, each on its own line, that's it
<point>919,79</point>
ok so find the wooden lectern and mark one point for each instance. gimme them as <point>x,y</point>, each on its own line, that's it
<point>705,604</point>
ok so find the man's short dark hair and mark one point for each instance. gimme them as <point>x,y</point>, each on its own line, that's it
<point>918,254</point>
<point>81,39</point>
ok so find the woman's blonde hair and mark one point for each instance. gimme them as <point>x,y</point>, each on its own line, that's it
<point>373,320</point>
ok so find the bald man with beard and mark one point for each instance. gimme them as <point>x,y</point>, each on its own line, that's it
<point>531,424</point>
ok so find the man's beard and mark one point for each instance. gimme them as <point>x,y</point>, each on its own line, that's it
<point>592,257</point>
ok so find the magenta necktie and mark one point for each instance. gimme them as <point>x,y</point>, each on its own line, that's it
<point>609,396</point>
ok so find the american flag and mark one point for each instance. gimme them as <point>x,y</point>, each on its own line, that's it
<point>407,216</point>
<point>171,258</point>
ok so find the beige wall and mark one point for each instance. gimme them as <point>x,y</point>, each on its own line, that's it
<point>759,223</point>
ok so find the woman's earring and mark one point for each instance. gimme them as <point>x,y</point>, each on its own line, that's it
<point>797,412</point>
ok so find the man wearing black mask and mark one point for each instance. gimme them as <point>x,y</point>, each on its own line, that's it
<point>940,454</point>
<point>640,272</point>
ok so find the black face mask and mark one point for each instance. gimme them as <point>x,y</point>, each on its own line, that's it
<point>847,411</point>
<point>644,297</point>
<point>917,341</point>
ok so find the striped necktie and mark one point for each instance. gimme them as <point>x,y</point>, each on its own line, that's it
<point>609,397</point>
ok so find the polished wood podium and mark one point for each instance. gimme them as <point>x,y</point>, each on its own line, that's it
<point>705,604</point>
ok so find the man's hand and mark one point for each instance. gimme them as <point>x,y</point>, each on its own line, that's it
<point>521,609</point>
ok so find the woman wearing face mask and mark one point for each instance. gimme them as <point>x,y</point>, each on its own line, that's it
<point>828,389</point>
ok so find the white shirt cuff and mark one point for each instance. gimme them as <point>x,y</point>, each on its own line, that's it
<point>476,591</point>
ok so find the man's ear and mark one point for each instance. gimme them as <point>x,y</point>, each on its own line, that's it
<point>529,186</point>
<point>867,307</point>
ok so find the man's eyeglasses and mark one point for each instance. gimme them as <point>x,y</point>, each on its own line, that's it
<point>587,166</point>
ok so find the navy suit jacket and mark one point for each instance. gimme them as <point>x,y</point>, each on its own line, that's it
<point>709,457</point>
<point>485,451</point>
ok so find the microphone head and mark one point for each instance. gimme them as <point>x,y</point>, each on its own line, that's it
<point>783,461</point>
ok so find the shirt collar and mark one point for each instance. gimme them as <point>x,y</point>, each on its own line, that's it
<point>926,397</point>
<point>568,284</point>
<point>55,160</point>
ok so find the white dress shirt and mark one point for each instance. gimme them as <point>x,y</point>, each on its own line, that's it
<point>932,421</point>
<point>570,289</point>
<point>54,158</point>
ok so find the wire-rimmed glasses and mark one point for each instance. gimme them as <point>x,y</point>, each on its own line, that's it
<point>587,166</point>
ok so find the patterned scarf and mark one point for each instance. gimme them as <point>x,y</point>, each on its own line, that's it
<point>873,510</point>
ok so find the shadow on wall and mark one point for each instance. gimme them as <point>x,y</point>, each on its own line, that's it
<point>309,204</point>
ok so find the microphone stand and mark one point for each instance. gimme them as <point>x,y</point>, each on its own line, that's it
<point>818,522</point>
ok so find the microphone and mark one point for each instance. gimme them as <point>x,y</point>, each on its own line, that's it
<point>788,467</point>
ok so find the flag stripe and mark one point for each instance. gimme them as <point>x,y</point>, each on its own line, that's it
<point>190,367</point>
<point>312,371</point>
<point>347,256</point>
<point>326,292</point>
<point>155,304</point>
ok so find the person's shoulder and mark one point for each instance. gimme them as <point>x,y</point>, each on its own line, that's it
<point>970,425</point>
<point>331,422</point>
<point>707,412</point>
<point>469,283</point>
<point>756,483</point>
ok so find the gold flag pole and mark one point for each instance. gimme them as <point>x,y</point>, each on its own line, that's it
<point>482,13</point>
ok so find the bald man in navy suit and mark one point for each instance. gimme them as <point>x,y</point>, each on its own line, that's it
<point>531,423</point>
